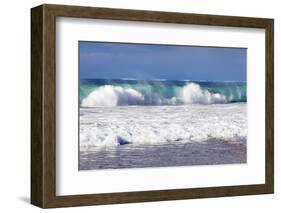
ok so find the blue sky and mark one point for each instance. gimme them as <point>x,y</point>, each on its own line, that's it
<point>104,60</point>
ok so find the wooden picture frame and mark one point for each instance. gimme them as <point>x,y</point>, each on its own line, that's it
<point>43,105</point>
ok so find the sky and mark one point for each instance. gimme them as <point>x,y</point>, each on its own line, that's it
<point>105,60</point>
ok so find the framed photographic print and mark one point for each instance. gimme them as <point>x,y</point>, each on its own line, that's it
<point>136,106</point>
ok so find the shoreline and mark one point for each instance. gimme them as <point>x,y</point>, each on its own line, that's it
<point>213,152</point>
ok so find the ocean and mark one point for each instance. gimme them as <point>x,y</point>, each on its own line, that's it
<point>127,123</point>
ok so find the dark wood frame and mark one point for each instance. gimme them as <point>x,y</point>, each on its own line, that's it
<point>43,105</point>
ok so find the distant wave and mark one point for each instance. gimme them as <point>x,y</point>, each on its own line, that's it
<point>109,95</point>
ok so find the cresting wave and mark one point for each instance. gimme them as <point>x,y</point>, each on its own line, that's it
<point>191,93</point>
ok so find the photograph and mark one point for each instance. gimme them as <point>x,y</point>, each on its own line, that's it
<point>160,105</point>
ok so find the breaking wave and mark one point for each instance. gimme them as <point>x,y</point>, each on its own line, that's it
<point>113,96</point>
<point>191,93</point>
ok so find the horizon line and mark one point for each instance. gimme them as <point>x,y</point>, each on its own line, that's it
<point>157,79</point>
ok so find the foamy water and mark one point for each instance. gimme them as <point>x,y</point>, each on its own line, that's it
<point>152,125</point>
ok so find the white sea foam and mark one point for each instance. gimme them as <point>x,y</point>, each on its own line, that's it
<point>102,126</point>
